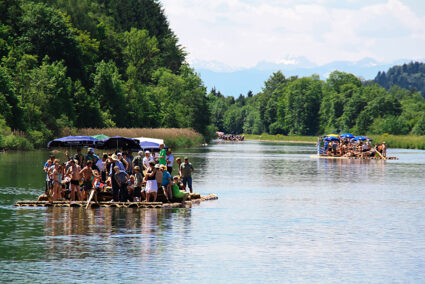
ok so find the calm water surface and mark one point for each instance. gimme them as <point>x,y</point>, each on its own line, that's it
<point>281,217</point>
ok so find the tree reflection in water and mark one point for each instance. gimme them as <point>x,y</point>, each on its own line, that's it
<point>107,232</point>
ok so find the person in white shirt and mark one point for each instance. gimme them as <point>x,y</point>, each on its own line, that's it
<point>170,161</point>
<point>101,164</point>
<point>146,159</point>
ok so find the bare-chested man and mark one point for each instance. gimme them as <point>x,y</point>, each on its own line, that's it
<point>74,173</point>
<point>87,173</point>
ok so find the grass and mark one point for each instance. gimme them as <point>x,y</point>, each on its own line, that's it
<point>173,137</point>
<point>392,141</point>
<point>401,141</point>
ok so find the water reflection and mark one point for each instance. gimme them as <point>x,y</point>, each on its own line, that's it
<point>105,232</point>
<point>281,217</point>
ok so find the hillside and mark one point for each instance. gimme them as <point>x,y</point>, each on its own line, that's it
<point>93,63</point>
<point>407,76</point>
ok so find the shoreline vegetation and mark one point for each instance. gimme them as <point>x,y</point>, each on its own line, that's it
<point>173,137</point>
<point>393,141</point>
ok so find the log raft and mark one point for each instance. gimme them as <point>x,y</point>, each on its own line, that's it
<point>194,198</point>
<point>352,158</point>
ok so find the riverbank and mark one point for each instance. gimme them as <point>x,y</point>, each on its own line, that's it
<point>282,138</point>
<point>173,137</point>
<point>393,141</point>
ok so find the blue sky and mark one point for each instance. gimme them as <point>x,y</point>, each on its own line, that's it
<point>237,34</point>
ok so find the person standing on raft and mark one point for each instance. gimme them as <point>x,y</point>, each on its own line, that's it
<point>74,173</point>
<point>186,170</point>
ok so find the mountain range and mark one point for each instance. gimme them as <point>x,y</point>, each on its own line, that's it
<point>235,82</point>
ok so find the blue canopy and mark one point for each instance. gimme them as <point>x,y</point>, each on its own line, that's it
<point>347,135</point>
<point>148,145</point>
<point>361,138</point>
<point>331,138</point>
<point>73,141</point>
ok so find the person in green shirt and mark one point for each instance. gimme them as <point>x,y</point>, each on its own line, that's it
<point>177,193</point>
<point>162,155</point>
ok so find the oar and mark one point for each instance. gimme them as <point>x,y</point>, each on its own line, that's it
<point>382,157</point>
<point>90,198</point>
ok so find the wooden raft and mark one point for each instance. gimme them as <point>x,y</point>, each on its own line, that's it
<point>351,158</point>
<point>194,198</point>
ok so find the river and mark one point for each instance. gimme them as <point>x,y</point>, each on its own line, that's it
<point>281,216</point>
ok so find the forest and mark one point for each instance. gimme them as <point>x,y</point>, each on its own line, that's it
<point>310,106</point>
<point>93,64</point>
<point>409,76</point>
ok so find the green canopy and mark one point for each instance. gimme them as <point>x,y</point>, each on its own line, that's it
<point>100,137</point>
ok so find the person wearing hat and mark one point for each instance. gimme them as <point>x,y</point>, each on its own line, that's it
<point>151,184</point>
<point>91,156</point>
<point>186,170</point>
<point>138,161</point>
<point>147,159</point>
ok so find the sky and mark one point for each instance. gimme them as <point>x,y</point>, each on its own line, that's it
<point>237,34</point>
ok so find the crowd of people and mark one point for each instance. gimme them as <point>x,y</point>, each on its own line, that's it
<point>345,147</point>
<point>229,137</point>
<point>129,178</point>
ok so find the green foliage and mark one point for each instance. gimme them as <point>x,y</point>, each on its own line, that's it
<point>108,90</point>
<point>408,76</point>
<point>419,128</point>
<point>13,142</point>
<point>309,106</point>
<point>94,63</point>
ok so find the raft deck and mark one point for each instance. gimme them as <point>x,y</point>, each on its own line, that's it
<point>352,158</point>
<point>194,198</point>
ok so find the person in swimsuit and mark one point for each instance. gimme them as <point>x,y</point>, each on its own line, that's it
<point>87,173</point>
<point>57,186</point>
<point>74,173</point>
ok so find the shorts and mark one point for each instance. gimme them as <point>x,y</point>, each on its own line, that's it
<point>75,182</point>
<point>87,185</point>
<point>188,181</point>
<point>137,191</point>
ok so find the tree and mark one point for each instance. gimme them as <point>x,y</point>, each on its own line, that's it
<point>301,103</point>
<point>140,54</point>
<point>419,128</point>
<point>11,108</point>
<point>108,89</point>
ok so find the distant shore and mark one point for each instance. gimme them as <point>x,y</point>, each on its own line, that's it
<point>393,141</point>
<point>282,138</point>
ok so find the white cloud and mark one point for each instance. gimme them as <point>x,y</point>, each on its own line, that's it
<point>242,33</point>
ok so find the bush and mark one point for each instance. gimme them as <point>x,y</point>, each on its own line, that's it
<point>37,138</point>
<point>277,128</point>
<point>13,142</point>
